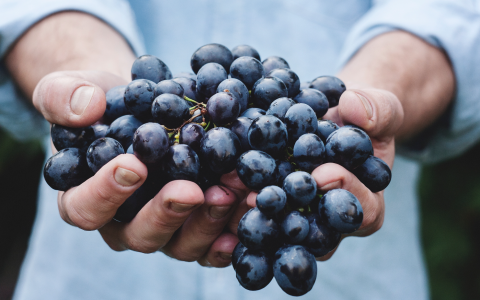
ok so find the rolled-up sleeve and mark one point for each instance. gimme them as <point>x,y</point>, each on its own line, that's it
<point>17,115</point>
<point>451,25</point>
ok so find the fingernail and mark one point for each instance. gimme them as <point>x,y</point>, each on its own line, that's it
<point>331,186</point>
<point>180,207</point>
<point>126,177</point>
<point>367,105</point>
<point>225,256</point>
<point>81,98</point>
<point>218,212</point>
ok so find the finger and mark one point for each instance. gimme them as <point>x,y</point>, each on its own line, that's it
<point>378,112</point>
<point>332,176</point>
<point>220,253</point>
<point>157,221</point>
<point>252,199</point>
<point>74,98</point>
<point>241,209</point>
<point>203,226</point>
<point>94,203</point>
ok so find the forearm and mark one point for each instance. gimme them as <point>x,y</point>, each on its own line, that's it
<point>68,41</point>
<point>419,74</point>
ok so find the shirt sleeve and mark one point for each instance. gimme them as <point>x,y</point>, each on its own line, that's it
<point>451,25</point>
<point>17,115</point>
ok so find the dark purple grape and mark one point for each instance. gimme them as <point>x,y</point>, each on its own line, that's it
<point>268,134</point>
<point>248,70</point>
<point>66,168</point>
<point>300,119</point>
<point>170,110</point>
<point>208,79</point>
<point>189,75</point>
<point>374,173</point>
<point>295,270</point>
<point>279,107</point>
<point>331,86</point>
<point>253,113</point>
<point>290,78</point>
<point>189,86</point>
<point>102,151</point>
<point>254,270</point>
<point>321,239</point>
<point>245,50</point>
<point>151,68</point>
<point>300,187</point>
<point>181,162</point>
<point>271,200</point>
<point>191,135</point>
<point>267,90</point>
<point>349,147</point>
<point>282,170</point>
<point>238,89</point>
<point>238,251</point>
<point>211,53</point>
<point>123,129</point>
<point>295,227</point>
<point>274,62</point>
<point>308,152</point>
<point>138,98</point>
<point>315,99</point>
<point>342,210</point>
<point>115,104</point>
<point>223,108</point>
<point>256,169</point>
<point>100,130</point>
<point>150,143</point>
<point>325,128</point>
<point>240,127</point>
<point>258,232</point>
<point>219,150</point>
<point>168,87</point>
<point>65,137</point>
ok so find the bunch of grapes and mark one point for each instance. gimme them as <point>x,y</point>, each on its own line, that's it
<point>235,112</point>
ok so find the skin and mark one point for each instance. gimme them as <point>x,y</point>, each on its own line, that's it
<point>398,85</point>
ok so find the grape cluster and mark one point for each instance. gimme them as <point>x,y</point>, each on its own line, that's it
<point>235,113</point>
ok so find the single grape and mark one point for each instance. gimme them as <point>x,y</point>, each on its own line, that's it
<point>258,232</point>
<point>181,162</point>
<point>331,86</point>
<point>295,227</point>
<point>211,53</point>
<point>374,173</point>
<point>150,143</point>
<point>268,134</point>
<point>309,152</point>
<point>219,150</point>
<point>349,147</point>
<point>342,210</point>
<point>245,50</point>
<point>168,87</point>
<point>279,107</point>
<point>325,128</point>
<point>208,79</point>
<point>102,151</point>
<point>100,130</point>
<point>295,270</point>
<point>248,70</point>
<point>253,113</point>
<point>238,89</point>
<point>300,119</point>
<point>66,168</point>
<point>315,99</point>
<point>274,62</point>
<point>223,108</point>
<point>123,129</point>
<point>170,110</point>
<point>151,68</point>
<point>238,251</point>
<point>138,97</point>
<point>115,104</point>
<point>282,170</point>
<point>65,137</point>
<point>240,127</point>
<point>254,270</point>
<point>189,86</point>
<point>321,239</point>
<point>271,200</point>
<point>289,78</point>
<point>267,90</point>
<point>256,169</point>
<point>300,187</point>
<point>191,135</point>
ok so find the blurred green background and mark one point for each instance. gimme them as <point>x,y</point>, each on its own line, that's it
<point>450,217</point>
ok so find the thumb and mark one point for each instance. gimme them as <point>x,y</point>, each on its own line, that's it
<point>378,112</point>
<point>74,98</point>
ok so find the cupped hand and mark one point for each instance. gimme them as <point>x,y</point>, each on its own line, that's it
<point>180,220</point>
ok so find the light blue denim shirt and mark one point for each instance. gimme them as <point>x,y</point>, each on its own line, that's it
<point>316,38</point>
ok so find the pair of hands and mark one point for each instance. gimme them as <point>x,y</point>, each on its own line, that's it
<point>181,220</point>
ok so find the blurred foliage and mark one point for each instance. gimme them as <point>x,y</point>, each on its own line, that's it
<point>450,205</point>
